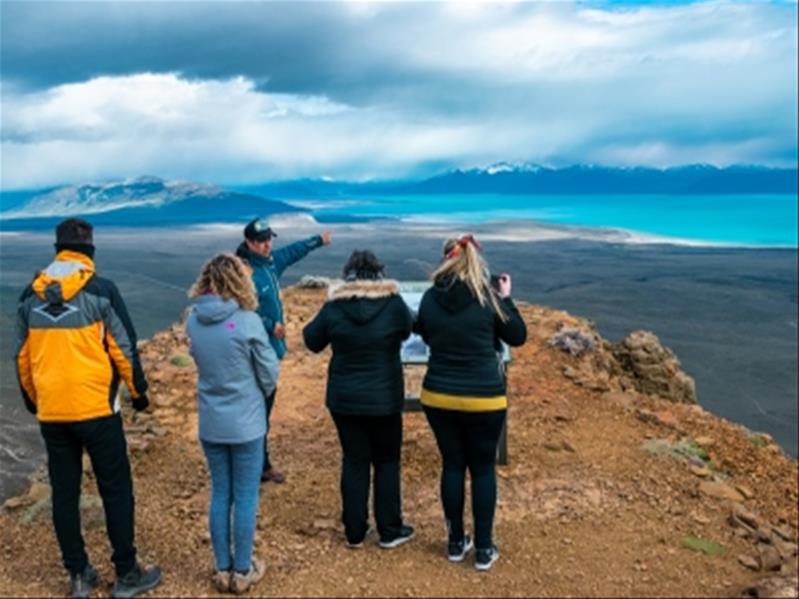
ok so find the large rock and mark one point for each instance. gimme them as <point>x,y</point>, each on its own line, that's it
<point>775,586</point>
<point>719,489</point>
<point>313,282</point>
<point>653,368</point>
<point>574,341</point>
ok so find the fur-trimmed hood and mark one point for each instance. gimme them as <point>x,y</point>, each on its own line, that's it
<point>363,289</point>
<point>363,300</point>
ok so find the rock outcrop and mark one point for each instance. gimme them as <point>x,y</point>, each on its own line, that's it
<point>654,368</point>
<point>640,363</point>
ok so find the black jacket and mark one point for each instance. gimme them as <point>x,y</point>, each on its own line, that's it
<point>464,340</point>
<point>365,322</point>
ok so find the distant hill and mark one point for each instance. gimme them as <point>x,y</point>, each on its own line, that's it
<point>532,179</point>
<point>143,201</point>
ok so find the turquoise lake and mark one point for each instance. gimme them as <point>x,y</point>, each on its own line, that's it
<point>746,220</point>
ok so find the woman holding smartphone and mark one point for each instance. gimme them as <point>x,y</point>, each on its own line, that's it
<point>464,319</point>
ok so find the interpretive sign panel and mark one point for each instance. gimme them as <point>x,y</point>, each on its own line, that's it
<point>414,350</point>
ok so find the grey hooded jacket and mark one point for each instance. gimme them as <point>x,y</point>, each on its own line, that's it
<point>236,366</point>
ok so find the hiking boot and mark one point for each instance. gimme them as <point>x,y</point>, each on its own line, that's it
<point>83,583</point>
<point>138,580</point>
<point>273,475</point>
<point>222,580</point>
<point>485,558</point>
<point>457,550</point>
<point>241,583</point>
<point>405,535</point>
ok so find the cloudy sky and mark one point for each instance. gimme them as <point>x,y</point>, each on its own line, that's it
<point>254,91</point>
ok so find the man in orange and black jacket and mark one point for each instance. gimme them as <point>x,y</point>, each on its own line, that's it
<point>75,341</point>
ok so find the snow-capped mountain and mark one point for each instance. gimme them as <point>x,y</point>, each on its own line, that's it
<point>508,167</point>
<point>144,201</point>
<point>527,178</point>
<point>105,197</point>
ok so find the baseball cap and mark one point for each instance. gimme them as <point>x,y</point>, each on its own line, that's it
<point>258,229</point>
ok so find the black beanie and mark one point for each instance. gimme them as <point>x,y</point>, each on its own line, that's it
<point>74,234</point>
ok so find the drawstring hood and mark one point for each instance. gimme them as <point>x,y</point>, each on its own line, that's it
<point>64,277</point>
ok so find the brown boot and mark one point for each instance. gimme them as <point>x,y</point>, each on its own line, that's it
<point>273,475</point>
<point>222,579</point>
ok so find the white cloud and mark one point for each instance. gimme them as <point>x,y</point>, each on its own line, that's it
<point>206,130</point>
<point>451,83</point>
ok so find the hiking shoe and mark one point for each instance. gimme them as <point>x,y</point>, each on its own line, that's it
<point>355,545</point>
<point>138,580</point>
<point>83,583</point>
<point>456,551</point>
<point>405,535</point>
<point>485,558</point>
<point>359,544</point>
<point>273,475</point>
<point>241,583</point>
<point>222,580</point>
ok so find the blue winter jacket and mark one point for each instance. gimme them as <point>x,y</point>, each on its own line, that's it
<point>236,369</point>
<point>266,277</point>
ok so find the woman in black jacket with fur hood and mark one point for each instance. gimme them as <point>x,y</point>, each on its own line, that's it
<point>365,321</point>
<point>463,319</point>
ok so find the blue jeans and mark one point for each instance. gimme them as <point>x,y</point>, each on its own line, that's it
<point>235,485</point>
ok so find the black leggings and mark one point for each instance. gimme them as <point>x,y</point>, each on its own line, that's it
<point>468,440</point>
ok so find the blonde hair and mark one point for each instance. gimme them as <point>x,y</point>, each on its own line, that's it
<point>462,259</point>
<point>227,276</point>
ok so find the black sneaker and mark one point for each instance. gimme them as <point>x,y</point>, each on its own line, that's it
<point>83,583</point>
<point>485,558</point>
<point>137,581</point>
<point>358,544</point>
<point>456,551</point>
<point>405,535</point>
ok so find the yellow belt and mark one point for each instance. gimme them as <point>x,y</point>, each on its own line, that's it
<point>463,403</point>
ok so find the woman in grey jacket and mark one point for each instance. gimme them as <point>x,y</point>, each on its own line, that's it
<point>237,368</point>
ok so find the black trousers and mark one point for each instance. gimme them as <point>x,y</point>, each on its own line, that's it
<point>468,440</point>
<point>270,402</point>
<point>104,440</point>
<point>366,442</point>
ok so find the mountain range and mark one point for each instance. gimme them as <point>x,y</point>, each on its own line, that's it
<point>151,201</point>
<point>143,201</point>
<point>533,179</point>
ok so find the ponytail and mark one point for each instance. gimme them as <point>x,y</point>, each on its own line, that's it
<point>462,259</point>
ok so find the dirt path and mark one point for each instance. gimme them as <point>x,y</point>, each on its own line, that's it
<point>584,510</point>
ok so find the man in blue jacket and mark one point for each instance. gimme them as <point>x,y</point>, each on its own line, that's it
<point>267,266</point>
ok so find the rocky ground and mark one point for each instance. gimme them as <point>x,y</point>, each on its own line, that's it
<point>617,485</point>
